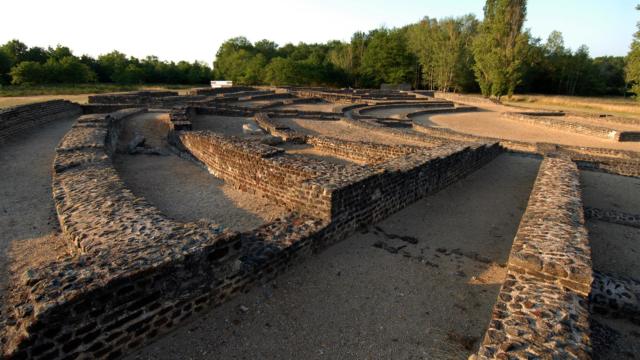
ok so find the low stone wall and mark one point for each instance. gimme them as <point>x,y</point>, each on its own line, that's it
<point>564,125</point>
<point>219,91</point>
<point>616,297</point>
<point>542,308</point>
<point>276,128</point>
<point>17,119</point>
<point>260,169</point>
<point>455,109</point>
<point>105,108</point>
<point>362,152</point>
<point>134,97</point>
<point>619,162</point>
<point>349,195</point>
<point>134,274</point>
<point>428,141</point>
<point>431,104</point>
<point>131,97</point>
<point>613,216</point>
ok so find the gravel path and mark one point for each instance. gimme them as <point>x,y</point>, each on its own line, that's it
<point>375,296</point>
<point>30,231</point>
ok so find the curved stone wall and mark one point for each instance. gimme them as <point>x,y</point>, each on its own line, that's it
<point>16,119</point>
<point>134,273</point>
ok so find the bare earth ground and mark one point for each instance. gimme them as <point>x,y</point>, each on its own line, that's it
<point>489,123</point>
<point>9,101</point>
<point>615,250</point>
<point>342,130</point>
<point>227,125</point>
<point>183,190</point>
<point>326,107</point>
<point>29,226</point>
<point>375,295</point>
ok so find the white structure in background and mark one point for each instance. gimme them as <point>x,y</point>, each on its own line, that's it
<point>216,84</point>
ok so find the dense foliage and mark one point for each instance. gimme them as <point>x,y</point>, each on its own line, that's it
<point>450,54</point>
<point>20,64</point>
<point>495,56</point>
<point>632,69</point>
<point>500,46</point>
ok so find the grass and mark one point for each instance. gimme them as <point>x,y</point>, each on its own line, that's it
<point>610,105</point>
<point>19,94</point>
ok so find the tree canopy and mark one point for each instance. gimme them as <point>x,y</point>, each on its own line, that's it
<point>495,56</point>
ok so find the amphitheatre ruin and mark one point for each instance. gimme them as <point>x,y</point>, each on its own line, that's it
<point>304,223</point>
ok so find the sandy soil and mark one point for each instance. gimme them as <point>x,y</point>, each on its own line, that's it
<point>187,192</point>
<point>154,126</point>
<point>326,107</point>
<point>487,123</point>
<point>227,125</point>
<point>183,190</point>
<point>30,231</point>
<point>310,151</point>
<point>375,296</point>
<point>608,191</point>
<point>342,130</point>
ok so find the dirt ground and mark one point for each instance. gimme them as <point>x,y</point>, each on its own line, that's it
<point>184,190</point>
<point>374,295</point>
<point>616,250</point>
<point>30,231</point>
<point>226,125</point>
<point>489,123</point>
<point>342,130</point>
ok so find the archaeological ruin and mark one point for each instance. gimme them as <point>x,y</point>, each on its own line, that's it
<point>508,234</point>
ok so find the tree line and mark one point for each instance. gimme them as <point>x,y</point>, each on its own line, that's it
<point>20,64</point>
<point>495,56</point>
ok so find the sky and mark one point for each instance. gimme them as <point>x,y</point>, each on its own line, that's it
<point>194,29</point>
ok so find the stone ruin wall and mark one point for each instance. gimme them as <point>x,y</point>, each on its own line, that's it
<point>619,162</point>
<point>135,273</point>
<point>572,126</point>
<point>542,308</point>
<point>15,120</point>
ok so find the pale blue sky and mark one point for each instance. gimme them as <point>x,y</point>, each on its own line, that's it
<point>193,29</point>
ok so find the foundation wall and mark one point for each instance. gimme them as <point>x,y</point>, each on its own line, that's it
<point>542,309</point>
<point>17,119</point>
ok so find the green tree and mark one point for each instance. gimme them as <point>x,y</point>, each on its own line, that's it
<point>386,58</point>
<point>27,72</point>
<point>443,51</point>
<point>500,47</point>
<point>632,70</point>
